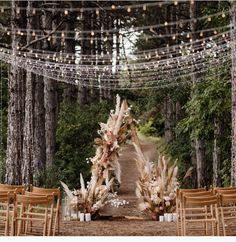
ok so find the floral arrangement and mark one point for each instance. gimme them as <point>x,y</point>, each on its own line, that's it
<point>157,185</point>
<point>92,198</point>
<point>105,166</point>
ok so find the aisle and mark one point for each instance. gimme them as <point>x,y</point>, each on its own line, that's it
<point>129,176</point>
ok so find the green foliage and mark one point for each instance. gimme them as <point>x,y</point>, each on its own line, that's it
<point>77,128</point>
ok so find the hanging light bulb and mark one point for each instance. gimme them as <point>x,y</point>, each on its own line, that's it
<point>215,32</point>
<point>209,19</point>
<point>192,2</point>
<point>66,12</point>
<point>92,33</point>
<point>18,11</point>
<point>62,34</point>
<point>91,41</point>
<point>97,11</point>
<point>49,38</point>
<point>176,3</point>
<point>144,7</point>
<point>2,10</point>
<point>201,34</point>
<point>173,37</point>
<point>166,23</point>
<point>188,35</point>
<point>34,11</point>
<point>129,9</point>
<point>8,33</point>
<point>113,7</point>
<point>33,33</point>
<point>223,15</point>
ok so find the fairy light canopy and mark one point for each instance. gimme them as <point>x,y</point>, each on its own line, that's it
<point>171,64</point>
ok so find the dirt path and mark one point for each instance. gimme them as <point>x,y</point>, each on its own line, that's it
<point>129,176</point>
<point>119,225</point>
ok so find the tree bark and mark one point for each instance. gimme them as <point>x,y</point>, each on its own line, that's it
<point>233,77</point>
<point>27,172</point>
<point>217,152</point>
<point>198,143</point>
<point>168,119</point>
<point>16,88</point>
<point>70,92</point>
<point>50,100</point>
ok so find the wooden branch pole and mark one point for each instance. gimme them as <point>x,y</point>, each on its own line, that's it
<point>44,37</point>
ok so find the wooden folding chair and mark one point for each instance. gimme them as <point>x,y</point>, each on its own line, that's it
<point>56,210</point>
<point>51,198</point>
<point>179,195</point>
<point>17,188</point>
<point>6,214</point>
<point>200,210</point>
<point>227,209</point>
<point>27,214</point>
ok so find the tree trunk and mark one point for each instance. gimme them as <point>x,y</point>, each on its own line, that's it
<point>233,77</point>
<point>217,153</point>
<point>16,88</point>
<point>27,172</point>
<point>198,143</point>
<point>50,100</point>
<point>70,91</point>
<point>200,157</point>
<point>168,119</point>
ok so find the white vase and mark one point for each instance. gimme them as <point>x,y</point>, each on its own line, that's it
<point>81,217</point>
<point>161,218</point>
<point>168,217</point>
<point>174,217</point>
<point>87,217</point>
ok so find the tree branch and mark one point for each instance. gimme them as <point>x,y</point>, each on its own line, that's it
<point>44,37</point>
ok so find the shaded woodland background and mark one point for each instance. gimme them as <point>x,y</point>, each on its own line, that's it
<point>52,125</point>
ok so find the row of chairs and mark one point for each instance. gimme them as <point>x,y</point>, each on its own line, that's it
<point>211,212</point>
<point>34,212</point>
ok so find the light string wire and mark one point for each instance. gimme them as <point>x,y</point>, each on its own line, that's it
<point>131,30</point>
<point>26,66</point>
<point>147,54</point>
<point>135,67</point>
<point>145,36</point>
<point>113,7</point>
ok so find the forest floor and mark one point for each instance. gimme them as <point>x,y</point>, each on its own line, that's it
<point>126,220</point>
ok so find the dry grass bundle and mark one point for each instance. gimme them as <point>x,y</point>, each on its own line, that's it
<point>157,186</point>
<point>105,163</point>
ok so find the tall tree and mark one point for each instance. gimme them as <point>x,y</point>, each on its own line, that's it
<point>198,142</point>
<point>16,87</point>
<point>233,74</point>
<point>50,88</point>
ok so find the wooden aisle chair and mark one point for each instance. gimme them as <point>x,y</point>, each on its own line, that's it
<point>6,213</point>
<point>178,206</point>
<point>27,214</point>
<point>224,189</point>
<point>51,197</point>
<point>56,210</point>
<point>227,208</point>
<point>200,210</point>
<point>17,188</point>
